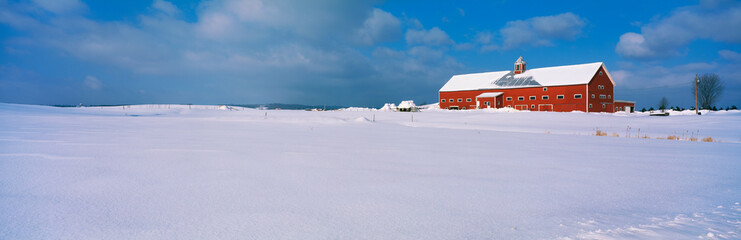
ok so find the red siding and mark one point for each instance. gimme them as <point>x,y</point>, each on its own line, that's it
<point>597,102</point>
<point>552,103</point>
<point>622,105</point>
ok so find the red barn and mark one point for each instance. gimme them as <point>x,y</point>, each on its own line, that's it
<point>583,87</point>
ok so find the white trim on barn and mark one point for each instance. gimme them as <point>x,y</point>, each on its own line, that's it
<point>489,94</point>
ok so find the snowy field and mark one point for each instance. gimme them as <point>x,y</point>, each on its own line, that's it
<point>197,172</point>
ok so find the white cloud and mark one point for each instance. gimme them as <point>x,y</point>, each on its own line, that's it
<point>620,76</point>
<point>61,6</point>
<point>425,53</point>
<point>730,55</point>
<point>381,26</point>
<point>166,7</point>
<point>541,31</point>
<point>92,83</point>
<point>668,36</point>
<point>486,41</point>
<point>384,52</point>
<point>696,67</point>
<point>651,75</point>
<point>432,37</point>
<point>536,31</point>
<point>633,44</point>
<point>253,10</point>
<point>414,23</point>
<point>484,37</point>
<point>217,26</point>
<point>490,47</point>
<point>465,46</point>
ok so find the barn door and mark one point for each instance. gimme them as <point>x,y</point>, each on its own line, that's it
<point>545,107</point>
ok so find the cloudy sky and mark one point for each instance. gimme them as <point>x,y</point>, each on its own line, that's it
<point>350,52</point>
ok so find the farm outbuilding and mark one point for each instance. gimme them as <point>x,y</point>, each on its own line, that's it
<point>583,87</point>
<point>407,106</point>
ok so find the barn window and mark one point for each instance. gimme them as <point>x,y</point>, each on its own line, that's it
<point>600,87</point>
<point>532,97</point>
<point>442,100</point>
<point>577,96</point>
<point>468,100</point>
<point>509,98</point>
<point>559,97</point>
<point>460,100</point>
<point>545,89</point>
<point>600,73</point>
<point>521,98</point>
<point>509,106</point>
<point>592,95</point>
<point>532,106</point>
<point>450,100</point>
<point>463,108</point>
<point>609,96</point>
<point>603,105</point>
<point>617,109</point>
<point>590,105</point>
<point>545,97</point>
<point>602,96</point>
<point>487,103</point>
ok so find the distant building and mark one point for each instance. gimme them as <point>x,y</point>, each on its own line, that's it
<point>583,87</point>
<point>407,106</point>
<point>624,106</point>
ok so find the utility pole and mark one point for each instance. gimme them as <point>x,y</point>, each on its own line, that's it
<point>697,80</point>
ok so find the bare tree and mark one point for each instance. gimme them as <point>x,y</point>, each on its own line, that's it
<point>663,104</point>
<point>708,88</point>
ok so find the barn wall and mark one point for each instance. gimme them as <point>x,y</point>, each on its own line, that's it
<point>595,92</point>
<point>559,105</point>
<point>496,102</point>
<point>622,105</point>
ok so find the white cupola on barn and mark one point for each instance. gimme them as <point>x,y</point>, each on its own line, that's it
<point>520,65</point>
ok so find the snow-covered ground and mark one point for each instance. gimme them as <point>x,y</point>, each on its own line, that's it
<point>198,172</point>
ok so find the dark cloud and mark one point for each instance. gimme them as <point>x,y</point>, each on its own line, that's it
<point>237,51</point>
<point>380,27</point>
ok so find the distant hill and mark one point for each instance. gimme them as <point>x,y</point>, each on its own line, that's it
<point>287,106</point>
<point>268,106</point>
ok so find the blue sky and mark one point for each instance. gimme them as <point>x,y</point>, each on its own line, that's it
<point>351,52</point>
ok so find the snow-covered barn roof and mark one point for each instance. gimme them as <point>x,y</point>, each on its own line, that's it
<point>548,76</point>
<point>489,94</point>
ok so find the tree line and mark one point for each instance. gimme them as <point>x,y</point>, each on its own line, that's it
<point>706,88</point>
